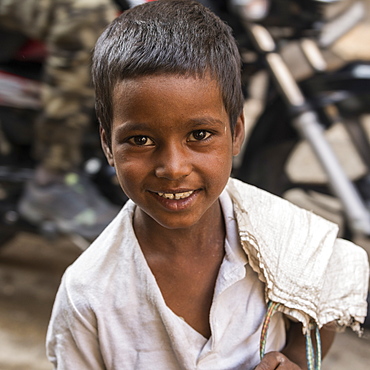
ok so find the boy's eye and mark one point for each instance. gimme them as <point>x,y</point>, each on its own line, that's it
<point>199,135</point>
<point>140,140</point>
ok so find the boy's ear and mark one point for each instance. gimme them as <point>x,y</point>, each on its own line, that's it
<point>238,134</point>
<point>106,147</point>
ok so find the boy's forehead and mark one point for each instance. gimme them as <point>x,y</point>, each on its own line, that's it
<point>194,96</point>
<point>198,79</point>
<point>169,88</point>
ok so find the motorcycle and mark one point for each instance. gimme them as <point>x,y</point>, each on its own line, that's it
<point>294,111</point>
<point>21,62</point>
<point>297,112</point>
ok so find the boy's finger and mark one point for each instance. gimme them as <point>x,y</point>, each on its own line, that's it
<point>276,360</point>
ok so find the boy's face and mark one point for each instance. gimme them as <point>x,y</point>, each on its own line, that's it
<point>172,147</point>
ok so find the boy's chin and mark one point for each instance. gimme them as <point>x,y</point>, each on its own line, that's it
<point>182,220</point>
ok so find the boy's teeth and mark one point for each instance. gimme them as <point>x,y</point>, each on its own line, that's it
<point>175,195</point>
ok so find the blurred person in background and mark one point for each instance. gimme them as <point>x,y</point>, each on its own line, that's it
<point>69,29</point>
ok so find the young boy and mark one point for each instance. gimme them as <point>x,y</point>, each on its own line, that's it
<point>185,276</point>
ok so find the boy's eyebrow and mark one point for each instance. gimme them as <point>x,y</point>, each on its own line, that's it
<point>194,122</point>
<point>132,126</point>
<point>206,120</point>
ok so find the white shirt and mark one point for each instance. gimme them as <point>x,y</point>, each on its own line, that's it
<point>110,314</point>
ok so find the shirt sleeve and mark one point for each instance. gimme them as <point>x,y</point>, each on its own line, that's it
<point>72,337</point>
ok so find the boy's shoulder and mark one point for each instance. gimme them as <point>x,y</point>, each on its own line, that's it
<point>112,253</point>
<point>266,208</point>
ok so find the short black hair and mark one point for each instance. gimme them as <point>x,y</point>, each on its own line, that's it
<point>166,37</point>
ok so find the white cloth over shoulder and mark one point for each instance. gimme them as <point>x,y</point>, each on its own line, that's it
<point>311,273</point>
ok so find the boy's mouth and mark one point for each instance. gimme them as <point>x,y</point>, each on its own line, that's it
<point>176,196</point>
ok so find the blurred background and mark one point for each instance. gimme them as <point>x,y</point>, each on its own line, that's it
<point>31,265</point>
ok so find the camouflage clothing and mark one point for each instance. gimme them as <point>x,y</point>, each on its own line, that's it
<point>69,29</point>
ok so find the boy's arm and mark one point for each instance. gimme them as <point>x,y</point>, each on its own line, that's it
<point>293,356</point>
<point>72,340</point>
<point>295,348</point>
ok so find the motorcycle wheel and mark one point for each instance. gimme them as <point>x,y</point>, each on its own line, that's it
<point>276,160</point>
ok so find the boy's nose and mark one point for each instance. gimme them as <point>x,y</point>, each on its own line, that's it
<point>173,163</point>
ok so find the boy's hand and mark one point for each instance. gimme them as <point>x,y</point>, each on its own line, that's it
<point>276,360</point>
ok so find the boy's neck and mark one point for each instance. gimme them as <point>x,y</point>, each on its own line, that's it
<point>185,264</point>
<point>203,238</point>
